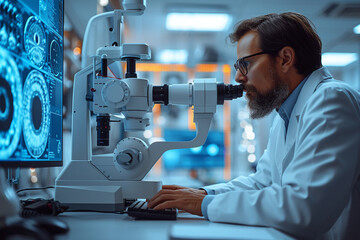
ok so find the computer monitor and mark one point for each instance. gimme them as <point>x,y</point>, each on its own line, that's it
<point>31,82</point>
<point>210,155</point>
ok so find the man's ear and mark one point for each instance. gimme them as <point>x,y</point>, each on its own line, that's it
<point>287,58</point>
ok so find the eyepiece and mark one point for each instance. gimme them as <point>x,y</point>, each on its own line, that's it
<point>161,95</point>
<point>228,92</point>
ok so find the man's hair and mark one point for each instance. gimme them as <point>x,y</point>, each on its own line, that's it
<point>286,29</point>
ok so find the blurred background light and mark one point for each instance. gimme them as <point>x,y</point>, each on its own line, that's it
<point>148,133</point>
<point>357,29</point>
<point>251,149</point>
<point>103,3</point>
<point>212,149</point>
<point>196,149</point>
<point>77,51</point>
<point>337,59</point>
<point>250,135</point>
<point>197,21</point>
<point>173,56</point>
<point>252,158</point>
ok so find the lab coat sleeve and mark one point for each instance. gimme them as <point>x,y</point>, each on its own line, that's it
<point>317,183</point>
<point>258,180</point>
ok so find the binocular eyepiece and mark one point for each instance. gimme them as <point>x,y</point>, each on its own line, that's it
<point>224,92</point>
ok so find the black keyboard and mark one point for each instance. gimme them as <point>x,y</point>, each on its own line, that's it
<point>139,209</point>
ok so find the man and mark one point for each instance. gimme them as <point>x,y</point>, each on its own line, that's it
<point>307,181</point>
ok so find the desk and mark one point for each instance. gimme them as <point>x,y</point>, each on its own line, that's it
<point>106,226</point>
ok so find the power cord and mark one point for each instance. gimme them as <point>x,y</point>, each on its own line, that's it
<point>33,189</point>
<point>41,207</point>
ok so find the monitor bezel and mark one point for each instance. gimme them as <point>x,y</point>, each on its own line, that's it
<point>31,164</point>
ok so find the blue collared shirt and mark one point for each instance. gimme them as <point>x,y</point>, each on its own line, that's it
<point>288,105</point>
<point>285,113</point>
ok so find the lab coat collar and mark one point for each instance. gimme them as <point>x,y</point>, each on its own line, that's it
<point>308,89</point>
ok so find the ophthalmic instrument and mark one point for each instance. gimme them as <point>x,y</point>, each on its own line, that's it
<point>104,182</point>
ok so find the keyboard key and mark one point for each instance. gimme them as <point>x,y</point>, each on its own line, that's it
<point>139,209</point>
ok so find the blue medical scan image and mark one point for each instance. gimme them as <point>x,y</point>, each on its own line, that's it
<point>31,75</point>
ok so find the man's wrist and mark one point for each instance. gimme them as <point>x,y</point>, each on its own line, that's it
<point>208,191</point>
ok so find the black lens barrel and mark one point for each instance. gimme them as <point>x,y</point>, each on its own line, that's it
<point>130,67</point>
<point>161,94</point>
<point>103,130</point>
<point>228,92</point>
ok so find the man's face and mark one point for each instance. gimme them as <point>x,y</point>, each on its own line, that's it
<point>265,90</point>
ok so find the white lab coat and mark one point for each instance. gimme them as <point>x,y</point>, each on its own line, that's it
<point>308,183</point>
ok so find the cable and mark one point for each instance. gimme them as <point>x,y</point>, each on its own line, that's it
<point>40,207</point>
<point>32,189</point>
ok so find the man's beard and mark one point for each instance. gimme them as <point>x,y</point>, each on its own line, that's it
<point>263,104</point>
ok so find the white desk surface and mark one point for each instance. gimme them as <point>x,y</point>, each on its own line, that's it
<point>104,226</point>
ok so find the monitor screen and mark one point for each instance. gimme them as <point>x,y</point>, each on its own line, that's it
<point>210,155</point>
<point>31,74</point>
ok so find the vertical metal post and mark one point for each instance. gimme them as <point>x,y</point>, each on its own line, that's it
<point>13,176</point>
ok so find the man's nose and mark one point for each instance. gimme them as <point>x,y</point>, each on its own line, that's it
<point>239,77</point>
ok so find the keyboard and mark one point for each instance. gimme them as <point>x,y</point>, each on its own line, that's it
<point>139,209</point>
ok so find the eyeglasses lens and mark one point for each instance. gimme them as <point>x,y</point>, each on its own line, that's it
<point>241,65</point>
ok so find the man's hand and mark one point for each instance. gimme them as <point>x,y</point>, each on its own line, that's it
<point>173,196</point>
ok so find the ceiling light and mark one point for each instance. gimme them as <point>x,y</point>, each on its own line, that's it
<point>357,29</point>
<point>197,21</point>
<point>334,59</point>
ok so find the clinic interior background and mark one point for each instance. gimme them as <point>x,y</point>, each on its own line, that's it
<point>235,141</point>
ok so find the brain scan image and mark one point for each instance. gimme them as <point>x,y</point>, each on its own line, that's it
<point>36,113</point>
<point>10,105</point>
<point>35,41</point>
<point>55,57</point>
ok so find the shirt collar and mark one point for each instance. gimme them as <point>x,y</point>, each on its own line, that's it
<point>288,105</point>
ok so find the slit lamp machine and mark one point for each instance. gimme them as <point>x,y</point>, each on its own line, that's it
<point>103,182</point>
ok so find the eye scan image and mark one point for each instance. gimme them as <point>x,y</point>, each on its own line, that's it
<point>30,80</point>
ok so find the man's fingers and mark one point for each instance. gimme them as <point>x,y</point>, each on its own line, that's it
<point>167,204</point>
<point>192,206</point>
<point>185,199</point>
<point>161,197</point>
<point>161,192</point>
<point>173,196</point>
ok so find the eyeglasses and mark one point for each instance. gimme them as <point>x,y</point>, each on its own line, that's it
<point>242,65</point>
